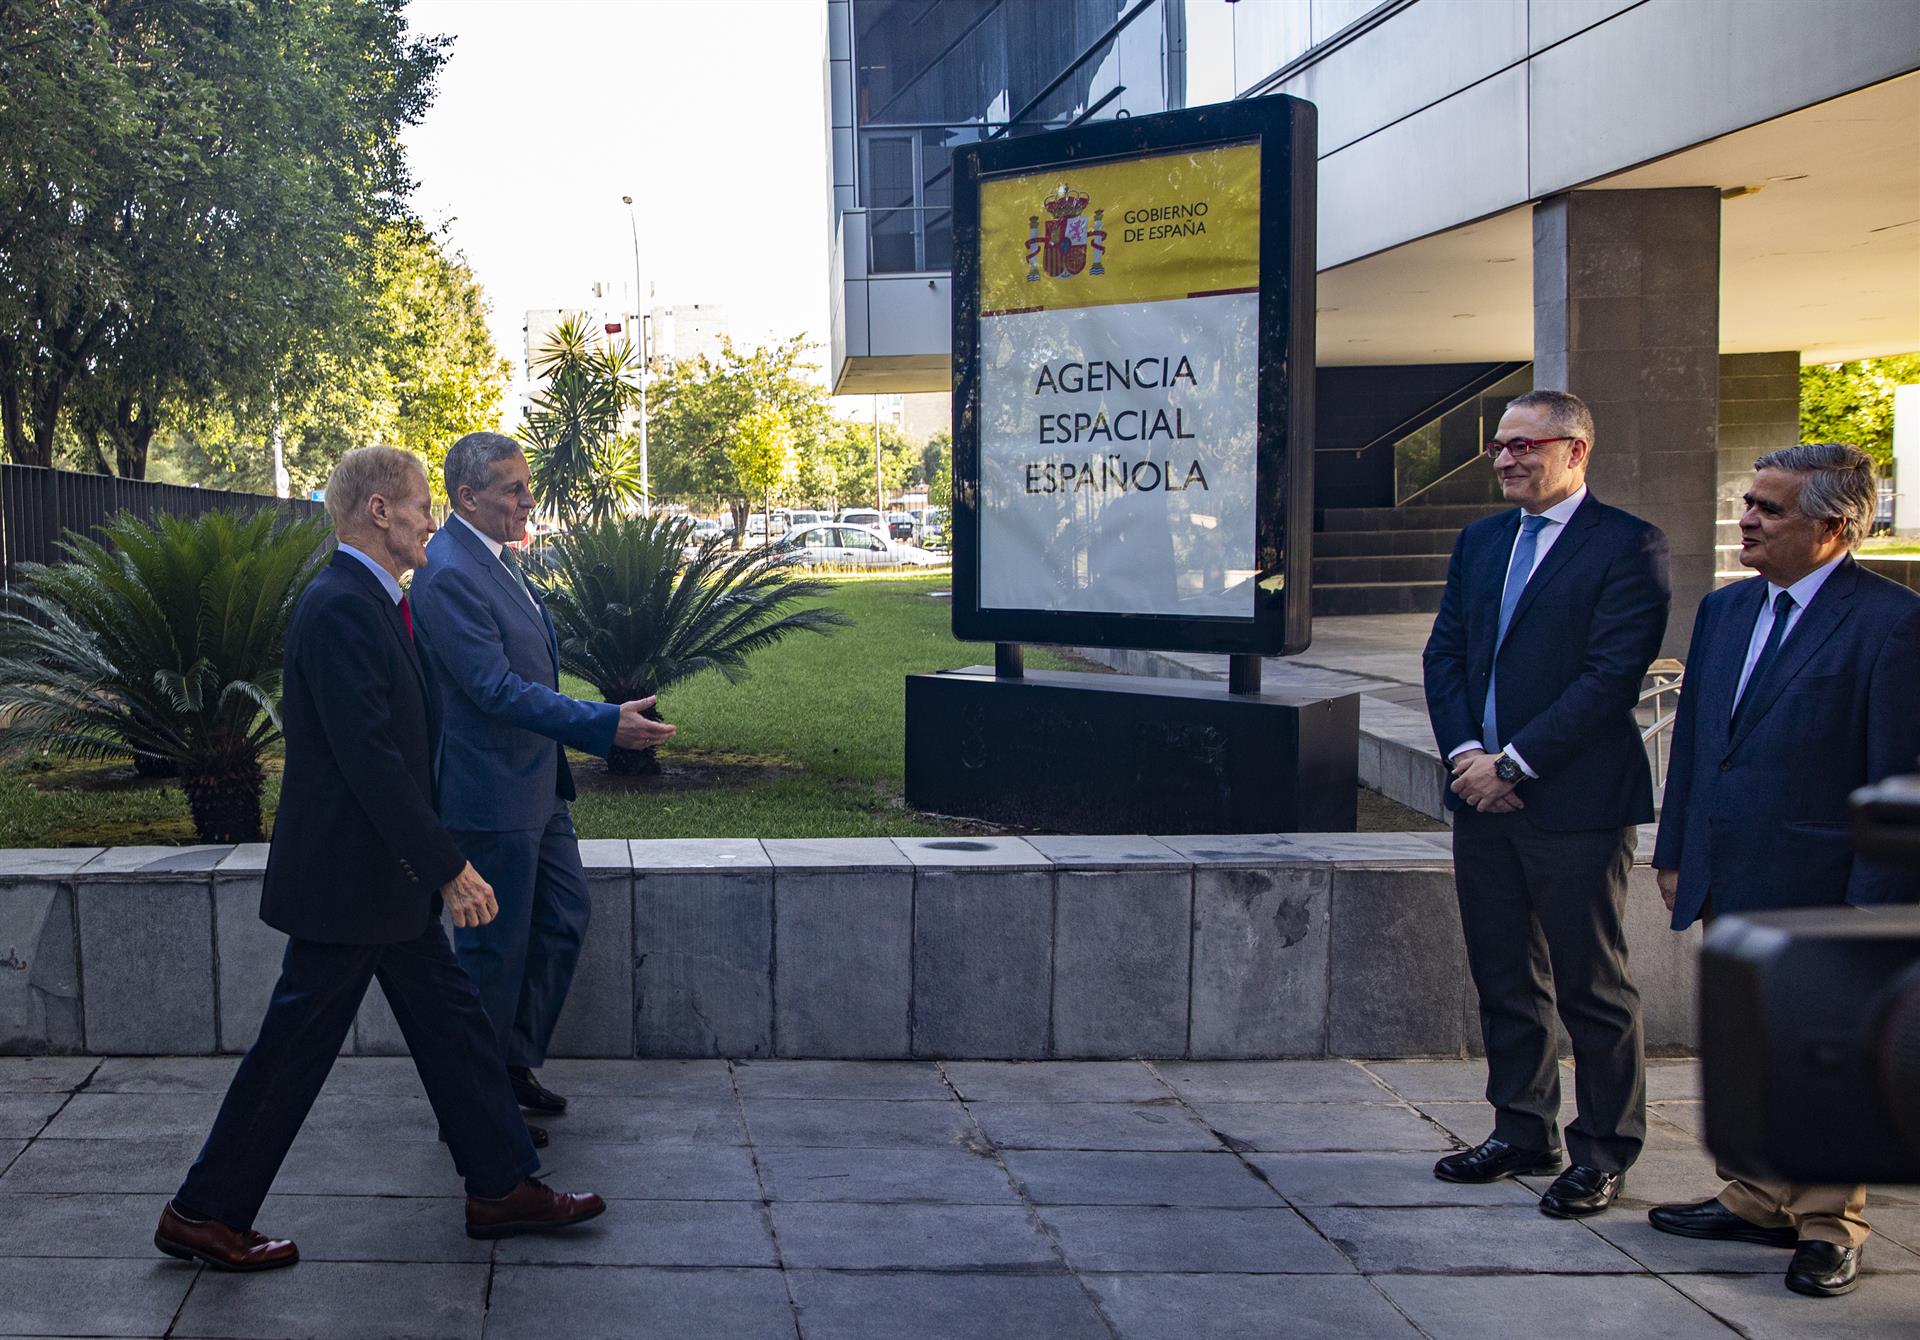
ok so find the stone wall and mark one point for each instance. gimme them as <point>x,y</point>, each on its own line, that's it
<point>1298,945</point>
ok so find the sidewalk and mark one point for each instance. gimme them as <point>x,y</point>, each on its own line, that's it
<point>897,1201</point>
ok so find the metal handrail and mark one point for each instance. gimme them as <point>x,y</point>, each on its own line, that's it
<point>1459,469</point>
<point>1668,676</point>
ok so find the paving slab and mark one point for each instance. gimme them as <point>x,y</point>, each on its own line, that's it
<point>1435,1081</point>
<point>24,1115</point>
<point>1100,851</point>
<point>836,1306</point>
<point>654,1233</point>
<point>21,863</point>
<point>1327,1127</point>
<point>950,1176</point>
<point>800,1123</point>
<point>41,1297</point>
<point>840,1079</point>
<point>843,962</point>
<point>1117,1177</point>
<point>340,1301</point>
<point>329,1163</point>
<point>44,1074</point>
<point>650,1172</point>
<point>1261,937</point>
<point>1661,1177</point>
<point>1567,1307</point>
<point>618,1119</point>
<point>1271,1081</point>
<point>1234,1307</point>
<point>1273,1241</point>
<point>1669,1254</point>
<point>1163,1125</point>
<point>700,980</point>
<point>1378,1180</point>
<point>150,1165</point>
<point>371,1228</point>
<point>1055,1081</point>
<point>112,1116</point>
<point>1895,1223</point>
<point>84,1224</point>
<point>1122,948</point>
<point>702,1081</point>
<point>163,1074</point>
<point>1762,1308</point>
<point>844,1236</point>
<point>982,959</point>
<point>1467,1241</point>
<point>622,1302</point>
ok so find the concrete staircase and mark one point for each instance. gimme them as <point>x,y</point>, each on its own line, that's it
<point>1387,560</point>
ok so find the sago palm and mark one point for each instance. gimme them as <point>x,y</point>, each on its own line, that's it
<point>637,610</point>
<point>164,643</point>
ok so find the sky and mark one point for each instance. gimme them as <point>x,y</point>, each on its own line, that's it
<point>709,113</point>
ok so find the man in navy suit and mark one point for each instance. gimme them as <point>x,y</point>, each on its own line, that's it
<point>1551,615</point>
<point>356,876</point>
<point>504,778</point>
<point>1803,684</point>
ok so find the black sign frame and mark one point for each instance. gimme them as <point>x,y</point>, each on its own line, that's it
<point>1283,511</point>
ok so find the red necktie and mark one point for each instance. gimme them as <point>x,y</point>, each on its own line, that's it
<point>406,615</point>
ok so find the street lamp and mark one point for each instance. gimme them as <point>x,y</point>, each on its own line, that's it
<point>640,330</point>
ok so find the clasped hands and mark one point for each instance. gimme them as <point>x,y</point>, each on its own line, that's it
<point>1475,782</point>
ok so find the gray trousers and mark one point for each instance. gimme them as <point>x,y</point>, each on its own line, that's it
<point>1543,917</point>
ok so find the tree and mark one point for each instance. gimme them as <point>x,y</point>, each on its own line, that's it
<point>939,470</point>
<point>1853,402</point>
<point>186,188</point>
<point>416,368</point>
<point>583,465</point>
<point>761,452</point>
<point>698,407</point>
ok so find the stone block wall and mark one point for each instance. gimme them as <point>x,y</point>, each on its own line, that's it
<point>1277,945</point>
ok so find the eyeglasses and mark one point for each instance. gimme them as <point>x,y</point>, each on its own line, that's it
<point>1522,447</point>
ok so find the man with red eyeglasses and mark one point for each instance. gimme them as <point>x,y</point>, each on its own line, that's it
<point>1551,615</point>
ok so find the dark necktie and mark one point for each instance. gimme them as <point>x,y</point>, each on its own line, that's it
<point>1519,569</point>
<point>406,615</point>
<point>1782,606</point>
<point>515,571</point>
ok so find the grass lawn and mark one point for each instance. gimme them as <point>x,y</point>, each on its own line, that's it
<point>1890,547</point>
<point>811,745</point>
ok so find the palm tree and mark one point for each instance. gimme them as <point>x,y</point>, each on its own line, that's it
<point>638,607</point>
<point>582,465</point>
<point>166,644</point>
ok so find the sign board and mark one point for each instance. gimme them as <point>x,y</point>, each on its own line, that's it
<point>1133,347</point>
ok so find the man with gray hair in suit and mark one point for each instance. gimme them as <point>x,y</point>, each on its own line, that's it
<point>504,781</point>
<point>1803,684</point>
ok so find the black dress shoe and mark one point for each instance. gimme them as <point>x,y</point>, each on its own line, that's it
<point>531,1094</point>
<point>1579,1192</point>
<point>1711,1219</point>
<point>1823,1270</point>
<point>1493,1159</point>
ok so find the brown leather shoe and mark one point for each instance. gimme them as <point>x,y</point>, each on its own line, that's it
<point>223,1248</point>
<point>531,1207</point>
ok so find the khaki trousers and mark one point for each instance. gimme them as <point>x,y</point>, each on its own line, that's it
<point>1816,1213</point>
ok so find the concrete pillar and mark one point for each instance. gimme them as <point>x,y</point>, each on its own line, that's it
<point>1626,315</point>
<point>1759,413</point>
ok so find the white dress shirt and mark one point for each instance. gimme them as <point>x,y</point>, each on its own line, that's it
<point>1556,518</point>
<point>1803,592</point>
<point>388,582</point>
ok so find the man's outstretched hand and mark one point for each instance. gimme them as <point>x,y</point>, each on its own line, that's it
<point>638,730</point>
<point>469,898</point>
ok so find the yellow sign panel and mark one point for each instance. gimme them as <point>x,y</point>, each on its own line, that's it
<point>1144,230</point>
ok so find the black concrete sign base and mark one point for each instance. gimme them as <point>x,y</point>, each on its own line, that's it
<point>1090,753</point>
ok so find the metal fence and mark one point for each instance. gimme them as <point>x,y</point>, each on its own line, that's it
<point>38,507</point>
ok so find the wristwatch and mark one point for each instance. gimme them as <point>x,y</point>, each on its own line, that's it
<point>1506,769</point>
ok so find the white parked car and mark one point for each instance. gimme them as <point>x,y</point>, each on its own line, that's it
<point>863,516</point>
<point>799,519</point>
<point>847,546</point>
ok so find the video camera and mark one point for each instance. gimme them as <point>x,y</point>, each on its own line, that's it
<point>1810,1025</point>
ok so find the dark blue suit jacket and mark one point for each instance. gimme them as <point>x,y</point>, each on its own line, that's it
<point>358,855</point>
<point>498,665</point>
<point>1757,818</point>
<point>1587,626</point>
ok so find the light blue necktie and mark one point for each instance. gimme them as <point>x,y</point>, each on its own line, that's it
<point>1518,571</point>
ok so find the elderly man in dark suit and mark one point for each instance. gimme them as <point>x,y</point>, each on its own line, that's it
<point>1803,684</point>
<point>1551,615</point>
<point>359,869</point>
<point>504,777</point>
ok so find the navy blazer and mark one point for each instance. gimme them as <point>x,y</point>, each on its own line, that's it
<point>497,662</point>
<point>358,855</point>
<point>1587,626</point>
<point>1757,818</point>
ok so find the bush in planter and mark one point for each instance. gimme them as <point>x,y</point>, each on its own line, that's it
<point>166,644</point>
<point>639,605</point>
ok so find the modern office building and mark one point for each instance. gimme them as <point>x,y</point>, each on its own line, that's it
<point>1664,205</point>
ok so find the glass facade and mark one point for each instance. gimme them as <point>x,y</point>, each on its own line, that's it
<point>929,75</point>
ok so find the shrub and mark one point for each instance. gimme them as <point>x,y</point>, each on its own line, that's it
<point>165,644</point>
